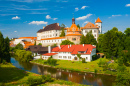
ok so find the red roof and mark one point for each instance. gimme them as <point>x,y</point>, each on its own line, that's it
<point>74,48</point>
<point>49,54</point>
<point>98,20</point>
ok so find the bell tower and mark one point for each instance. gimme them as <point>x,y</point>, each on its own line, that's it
<point>73,20</point>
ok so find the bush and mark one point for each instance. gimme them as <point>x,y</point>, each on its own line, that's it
<point>102,62</point>
<point>4,62</point>
<point>113,66</point>
<point>95,71</point>
<point>83,60</point>
<point>47,78</point>
<point>51,61</point>
<point>95,57</point>
<point>34,81</point>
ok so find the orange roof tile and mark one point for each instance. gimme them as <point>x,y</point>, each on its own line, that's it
<point>53,38</point>
<point>73,34</point>
<point>28,38</point>
<point>49,54</point>
<point>98,20</point>
<point>89,25</point>
<point>73,28</point>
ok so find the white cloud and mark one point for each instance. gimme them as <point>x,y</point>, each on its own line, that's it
<point>30,9</point>
<point>55,18</point>
<point>83,7</point>
<point>84,23</point>
<point>115,15</point>
<point>15,31</point>
<point>48,17</point>
<point>127,5</point>
<point>38,13</point>
<point>16,17</point>
<point>84,17</point>
<point>126,15</point>
<point>38,22</point>
<point>28,1</point>
<point>76,9</point>
<point>8,14</point>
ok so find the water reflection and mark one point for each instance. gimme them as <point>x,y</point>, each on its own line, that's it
<point>82,78</point>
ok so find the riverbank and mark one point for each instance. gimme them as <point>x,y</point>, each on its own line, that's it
<point>88,67</point>
<point>10,75</point>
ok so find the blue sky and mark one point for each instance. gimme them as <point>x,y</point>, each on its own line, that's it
<point>22,18</point>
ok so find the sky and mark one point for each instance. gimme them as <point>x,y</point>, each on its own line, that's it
<point>23,18</point>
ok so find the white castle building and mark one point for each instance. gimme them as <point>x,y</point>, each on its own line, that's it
<point>49,35</point>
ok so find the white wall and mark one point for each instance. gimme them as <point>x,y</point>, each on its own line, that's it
<point>100,27</point>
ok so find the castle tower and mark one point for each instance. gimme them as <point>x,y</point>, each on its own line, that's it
<point>73,20</point>
<point>98,22</point>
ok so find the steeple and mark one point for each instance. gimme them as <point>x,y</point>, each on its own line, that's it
<point>98,20</point>
<point>73,20</point>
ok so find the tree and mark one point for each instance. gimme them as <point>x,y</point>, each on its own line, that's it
<point>40,44</point>
<point>100,43</point>
<point>90,38</point>
<point>83,40</point>
<point>127,32</point>
<point>66,42</point>
<point>7,49</point>
<point>62,33</point>
<point>19,46</point>
<point>1,47</point>
<point>62,26</point>
<point>35,43</point>
<point>78,26</point>
<point>79,56</point>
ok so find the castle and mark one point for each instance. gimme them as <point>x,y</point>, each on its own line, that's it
<point>49,35</point>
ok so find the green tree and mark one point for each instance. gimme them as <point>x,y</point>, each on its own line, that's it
<point>40,44</point>
<point>100,43</point>
<point>62,26</point>
<point>7,49</point>
<point>83,40</point>
<point>35,43</point>
<point>19,46</point>
<point>66,42</point>
<point>90,39</point>
<point>78,26</point>
<point>127,32</point>
<point>62,33</point>
<point>79,56</point>
<point>1,47</point>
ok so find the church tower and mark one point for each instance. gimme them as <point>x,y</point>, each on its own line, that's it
<point>73,20</point>
<point>98,22</point>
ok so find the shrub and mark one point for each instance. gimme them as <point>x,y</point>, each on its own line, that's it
<point>102,62</point>
<point>83,60</point>
<point>113,66</point>
<point>95,71</point>
<point>47,78</point>
<point>95,57</point>
<point>34,81</point>
<point>51,61</point>
<point>4,61</point>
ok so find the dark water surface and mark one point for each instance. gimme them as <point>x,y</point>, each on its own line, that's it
<point>77,77</point>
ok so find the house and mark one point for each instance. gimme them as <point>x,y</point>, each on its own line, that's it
<point>69,52</point>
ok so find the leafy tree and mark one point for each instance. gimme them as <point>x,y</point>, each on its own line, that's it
<point>66,42</point>
<point>78,26</point>
<point>35,43</point>
<point>62,33</point>
<point>90,38</point>
<point>62,26</point>
<point>79,56</point>
<point>127,32</point>
<point>83,40</point>
<point>19,46</point>
<point>40,44</point>
<point>100,43</point>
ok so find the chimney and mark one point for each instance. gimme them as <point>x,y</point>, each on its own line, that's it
<point>43,27</point>
<point>70,45</point>
<point>83,45</point>
<point>59,46</point>
<point>49,49</point>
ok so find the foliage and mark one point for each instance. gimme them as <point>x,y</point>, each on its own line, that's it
<point>78,26</point>
<point>35,43</point>
<point>40,44</point>
<point>47,78</point>
<point>100,43</point>
<point>62,33</point>
<point>34,81</point>
<point>79,56</point>
<point>19,46</point>
<point>4,48</point>
<point>95,71</point>
<point>23,55</point>
<point>113,66</point>
<point>51,61</point>
<point>95,57</point>
<point>127,32</point>
<point>83,60</point>
<point>66,42</point>
<point>62,26</point>
<point>54,45</point>
<point>89,39</point>
<point>102,62</point>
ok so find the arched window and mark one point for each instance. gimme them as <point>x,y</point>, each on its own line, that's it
<point>86,58</point>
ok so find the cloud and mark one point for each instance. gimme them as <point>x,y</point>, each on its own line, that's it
<point>38,22</point>
<point>30,9</point>
<point>126,15</point>
<point>15,31</point>
<point>16,17</point>
<point>83,7</point>
<point>116,15</point>
<point>48,17</point>
<point>76,9</point>
<point>64,1</point>
<point>38,13</point>
<point>55,18</point>
<point>8,14</point>
<point>84,17</point>
<point>127,5</point>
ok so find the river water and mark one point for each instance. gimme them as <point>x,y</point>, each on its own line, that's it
<point>77,77</point>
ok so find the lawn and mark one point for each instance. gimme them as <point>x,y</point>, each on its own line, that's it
<point>12,76</point>
<point>75,65</point>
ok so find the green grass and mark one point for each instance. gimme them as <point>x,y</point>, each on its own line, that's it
<point>12,76</point>
<point>76,65</point>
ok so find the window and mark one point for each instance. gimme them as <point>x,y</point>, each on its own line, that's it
<point>56,34</point>
<point>74,39</point>
<point>95,35</point>
<point>86,58</point>
<point>73,32</point>
<point>86,31</point>
<point>69,57</point>
<point>60,56</point>
<point>64,57</point>
<point>95,31</point>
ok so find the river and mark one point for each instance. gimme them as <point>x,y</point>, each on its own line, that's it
<point>77,77</point>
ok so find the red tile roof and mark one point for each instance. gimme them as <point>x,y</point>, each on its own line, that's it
<point>74,48</point>
<point>28,38</point>
<point>98,20</point>
<point>89,25</point>
<point>49,54</point>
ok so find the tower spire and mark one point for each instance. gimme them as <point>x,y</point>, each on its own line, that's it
<point>73,20</point>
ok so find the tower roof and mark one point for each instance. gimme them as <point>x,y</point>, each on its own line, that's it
<point>73,28</point>
<point>98,20</point>
<point>89,25</point>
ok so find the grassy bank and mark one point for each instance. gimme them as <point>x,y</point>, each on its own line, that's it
<point>12,76</point>
<point>78,66</point>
